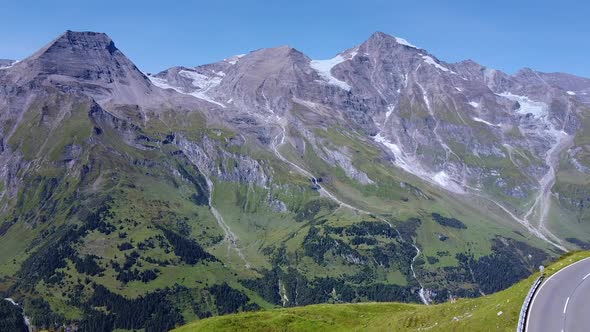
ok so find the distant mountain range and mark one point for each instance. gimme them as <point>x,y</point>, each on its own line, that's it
<point>132,200</point>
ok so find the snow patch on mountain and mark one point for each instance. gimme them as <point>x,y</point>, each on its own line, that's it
<point>443,179</point>
<point>162,83</point>
<point>404,42</point>
<point>324,69</point>
<point>202,82</point>
<point>411,165</point>
<point>429,60</point>
<point>9,65</point>
<point>234,59</point>
<point>536,108</point>
<point>474,104</point>
<point>484,121</point>
<point>390,109</point>
<point>571,93</point>
<point>391,146</point>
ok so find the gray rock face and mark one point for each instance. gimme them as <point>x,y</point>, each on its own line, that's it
<point>226,166</point>
<point>87,62</point>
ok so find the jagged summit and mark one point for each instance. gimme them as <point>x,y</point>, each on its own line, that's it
<point>75,41</point>
<point>276,56</point>
<point>81,55</point>
<point>284,49</point>
<point>381,37</point>
<point>90,61</point>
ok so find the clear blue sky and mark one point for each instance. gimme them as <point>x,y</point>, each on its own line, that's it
<point>507,35</point>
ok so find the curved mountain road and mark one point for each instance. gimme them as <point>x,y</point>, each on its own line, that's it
<point>562,302</point>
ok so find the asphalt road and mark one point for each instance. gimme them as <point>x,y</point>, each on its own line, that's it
<point>562,303</point>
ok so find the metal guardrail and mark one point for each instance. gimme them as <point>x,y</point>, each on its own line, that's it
<point>525,306</point>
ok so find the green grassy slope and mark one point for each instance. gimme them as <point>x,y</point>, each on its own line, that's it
<point>111,211</point>
<point>495,312</point>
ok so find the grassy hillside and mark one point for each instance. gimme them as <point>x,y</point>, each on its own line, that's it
<point>111,212</point>
<point>495,312</point>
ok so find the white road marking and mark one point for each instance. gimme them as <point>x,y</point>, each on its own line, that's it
<point>565,307</point>
<point>588,275</point>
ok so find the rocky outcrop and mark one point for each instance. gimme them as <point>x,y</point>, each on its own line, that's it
<point>225,166</point>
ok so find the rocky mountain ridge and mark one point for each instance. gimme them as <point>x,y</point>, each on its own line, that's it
<point>375,84</point>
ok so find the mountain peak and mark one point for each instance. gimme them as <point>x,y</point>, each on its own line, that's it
<point>89,38</point>
<point>89,59</point>
<point>379,37</point>
<point>277,56</point>
<point>280,51</point>
<point>87,41</point>
<point>82,55</point>
<point>73,35</point>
